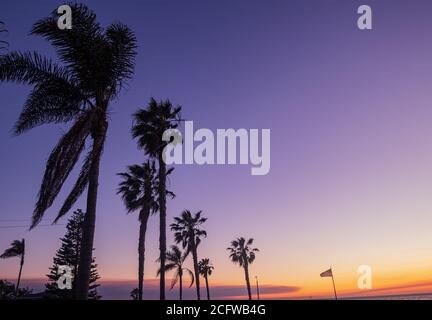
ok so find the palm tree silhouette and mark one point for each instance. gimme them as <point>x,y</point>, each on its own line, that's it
<point>137,190</point>
<point>206,269</point>
<point>96,65</point>
<point>17,249</point>
<point>175,259</point>
<point>149,126</point>
<point>242,254</point>
<point>187,232</point>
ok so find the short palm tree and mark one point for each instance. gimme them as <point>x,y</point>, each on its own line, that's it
<point>96,65</point>
<point>137,191</point>
<point>148,128</point>
<point>187,232</point>
<point>242,254</point>
<point>175,260</point>
<point>17,249</point>
<point>206,269</point>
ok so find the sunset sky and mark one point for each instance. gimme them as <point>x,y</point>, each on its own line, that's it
<point>350,114</point>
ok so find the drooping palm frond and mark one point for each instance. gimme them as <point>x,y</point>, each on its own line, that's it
<point>60,163</point>
<point>55,96</point>
<point>16,249</point>
<point>78,188</point>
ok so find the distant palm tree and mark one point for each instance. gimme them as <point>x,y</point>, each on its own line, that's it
<point>242,254</point>
<point>137,190</point>
<point>206,269</point>
<point>17,249</point>
<point>187,232</point>
<point>96,65</point>
<point>175,259</point>
<point>149,126</point>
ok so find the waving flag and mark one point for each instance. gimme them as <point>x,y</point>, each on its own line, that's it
<point>327,273</point>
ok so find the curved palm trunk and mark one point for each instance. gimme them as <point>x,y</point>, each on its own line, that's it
<point>141,252</point>
<point>207,286</point>
<point>196,269</point>
<point>246,270</point>
<point>86,251</point>
<point>162,231</point>
<point>181,284</point>
<point>19,275</point>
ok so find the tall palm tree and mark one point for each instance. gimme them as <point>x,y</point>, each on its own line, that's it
<point>242,254</point>
<point>148,128</point>
<point>17,249</point>
<point>187,232</point>
<point>96,63</point>
<point>175,259</point>
<point>137,190</point>
<point>206,269</point>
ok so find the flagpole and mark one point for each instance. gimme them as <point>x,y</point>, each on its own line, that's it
<point>334,287</point>
<point>256,278</point>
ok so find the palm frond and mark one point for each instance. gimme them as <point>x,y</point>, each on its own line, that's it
<point>78,188</point>
<point>17,248</point>
<point>191,275</point>
<point>59,165</point>
<point>123,49</point>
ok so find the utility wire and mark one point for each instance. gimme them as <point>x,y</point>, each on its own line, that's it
<point>40,225</point>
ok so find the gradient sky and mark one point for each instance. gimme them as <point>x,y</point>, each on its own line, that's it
<point>350,117</point>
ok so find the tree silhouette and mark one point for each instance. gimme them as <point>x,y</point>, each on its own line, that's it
<point>68,255</point>
<point>16,249</point>
<point>148,128</point>
<point>8,291</point>
<point>206,269</point>
<point>241,253</point>
<point>187,232</point>
<point>137,189</point>
<point>175,260</point>
<point>96,65</point>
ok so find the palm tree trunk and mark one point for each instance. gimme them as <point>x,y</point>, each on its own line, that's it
<point>86,251</point>
<point>196,269</point>
<point>162,231</point>
<point>141,252</point>
<point>181,284</point>
<point>19,275</point>
<point>246,269</point>
<point>207,286</point>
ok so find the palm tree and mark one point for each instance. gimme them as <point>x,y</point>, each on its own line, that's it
<point>242,254</point>
<point>137,190</point>
<point>187,232</point>
<point>17,249</point>
<point>175,259</point>
<point>96,65</point>
<point>206,269</point>
<point>149,126</point>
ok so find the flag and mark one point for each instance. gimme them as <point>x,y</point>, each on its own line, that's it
<point>327,273</point>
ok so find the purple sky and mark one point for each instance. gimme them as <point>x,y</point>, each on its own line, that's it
<point>350,118</point>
